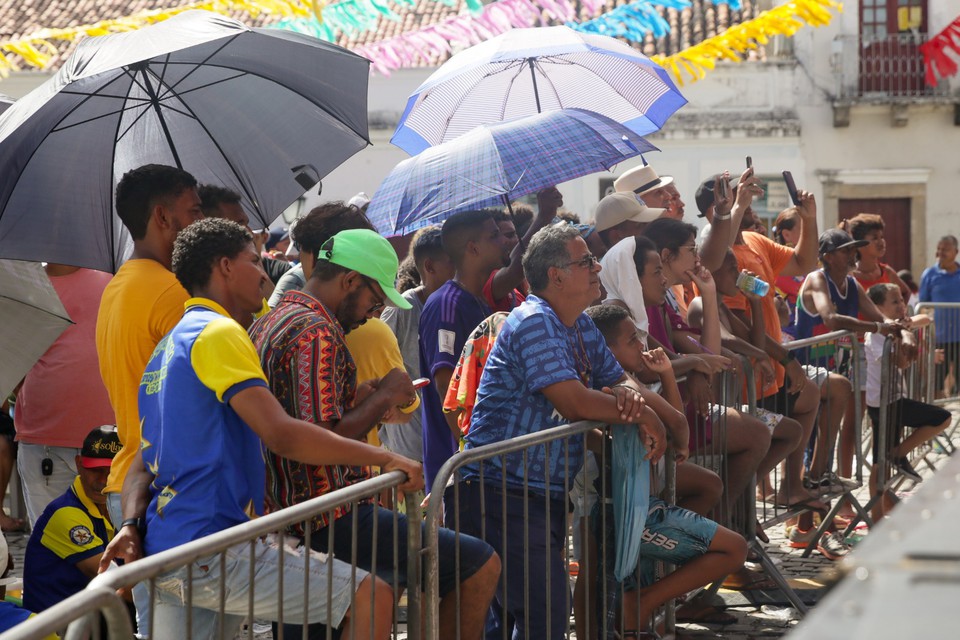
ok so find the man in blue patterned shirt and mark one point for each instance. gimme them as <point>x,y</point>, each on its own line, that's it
<point>550,366</point>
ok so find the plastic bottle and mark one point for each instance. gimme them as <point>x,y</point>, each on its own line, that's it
<point>752,284</point>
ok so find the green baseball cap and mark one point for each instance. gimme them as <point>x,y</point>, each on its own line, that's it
<point>369,254</point>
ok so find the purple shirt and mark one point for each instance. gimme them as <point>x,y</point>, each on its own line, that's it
<point>446,322</point>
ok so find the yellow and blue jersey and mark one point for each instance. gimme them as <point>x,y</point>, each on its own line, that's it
<point>71,529</point>
<point>207,463</point>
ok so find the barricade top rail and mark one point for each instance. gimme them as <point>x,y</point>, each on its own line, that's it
<point>935,305</point>
<point>815,340</point>
<point>97,595</point>
<point>493,449</point>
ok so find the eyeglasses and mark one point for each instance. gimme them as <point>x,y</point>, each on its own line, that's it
<point>586,261</point>
<point>380,303</point>
<point>692,247</point>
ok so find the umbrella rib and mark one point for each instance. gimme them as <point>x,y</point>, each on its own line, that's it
<point>513,80</point>
<point>58,129</point>
<point>41,309</point>
<point>240,74</point>
<point>223,155</point>
<point>118,138</point>
<point>323,108</point>
<point>197,65</point>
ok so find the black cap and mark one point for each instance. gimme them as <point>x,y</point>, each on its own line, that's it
<point>835,239</point>
<point>99,447</point>
<point>705,197</point>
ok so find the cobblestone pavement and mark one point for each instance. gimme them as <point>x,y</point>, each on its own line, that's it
<point>753,621</point>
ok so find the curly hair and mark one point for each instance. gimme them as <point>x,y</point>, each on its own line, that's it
<point>199,246</point>
<point>324,222</point>
<point>407,275</point>
<point>861,224</point>
<point>139,189</point>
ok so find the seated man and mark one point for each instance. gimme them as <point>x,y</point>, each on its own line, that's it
<point>548,367</point>
<point>65,547</point>
<point>203,389</point>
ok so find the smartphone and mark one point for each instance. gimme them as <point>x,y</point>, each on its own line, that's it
<point>749,162</point>
<point>420,383</point>
<point>722,187</point>
<point>791,187</point>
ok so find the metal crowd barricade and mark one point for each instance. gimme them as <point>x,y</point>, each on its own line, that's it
<point>445,502</point>
<point>822,355</point>
<point>942,379</point>
<point>80,614</point>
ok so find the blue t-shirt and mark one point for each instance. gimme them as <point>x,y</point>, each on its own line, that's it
<point>70,530</point>
<point>207,463</point>
<point>449,316</point>
<point>533,351</point>
<point>939,285</point>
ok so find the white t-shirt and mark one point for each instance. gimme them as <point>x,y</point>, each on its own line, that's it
<point>873,348</point>
<point>621,282</point>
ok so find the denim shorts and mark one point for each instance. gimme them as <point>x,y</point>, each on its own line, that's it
<point>389,566</point>
<point>671,534</point>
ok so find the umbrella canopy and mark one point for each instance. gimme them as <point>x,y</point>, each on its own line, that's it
<point>498,162</point>
<point>264,112</point>
<point>31,319</point>
<point>5,102</point>
<point>631,497</point>
<point>527,71</point>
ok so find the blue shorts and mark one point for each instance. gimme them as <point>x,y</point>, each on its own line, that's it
<point>389,567</point>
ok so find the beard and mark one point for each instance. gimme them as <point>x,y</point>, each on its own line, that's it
<point>349,315</point>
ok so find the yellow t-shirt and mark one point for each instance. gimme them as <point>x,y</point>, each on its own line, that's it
<point>141,304</point>
<point>375,351</point>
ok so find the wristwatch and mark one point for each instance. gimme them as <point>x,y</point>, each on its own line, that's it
<point>139,523</point>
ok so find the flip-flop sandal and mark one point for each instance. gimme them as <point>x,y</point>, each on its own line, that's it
<point>709,615</point>
<point>810,504</point>
<point>756,581</point>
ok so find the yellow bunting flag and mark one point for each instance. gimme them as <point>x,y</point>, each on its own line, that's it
<point>693,62</point>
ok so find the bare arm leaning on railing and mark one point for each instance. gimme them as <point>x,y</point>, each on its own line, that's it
<point>281,433</point>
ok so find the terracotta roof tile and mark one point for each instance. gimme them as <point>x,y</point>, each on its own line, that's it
<point>687,27</point>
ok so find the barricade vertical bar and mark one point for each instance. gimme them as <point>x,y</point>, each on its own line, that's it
<point>414,573</point>
<point>223,594</point>
<point>353,563</point>
<point>283,548</point>
<point>250,600</point>
<point>374,564</point>
<point>412,561</point>
<point>504,535</point>
<point>456,549</point>
<point>526,541</point>
<point>330,526</point>
<point>189,602</point>
<point>546,503</point>
<point>307,557</point>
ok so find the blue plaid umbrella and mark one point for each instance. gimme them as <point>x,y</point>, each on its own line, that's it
<point>527,71</point>
<point>498,162</point>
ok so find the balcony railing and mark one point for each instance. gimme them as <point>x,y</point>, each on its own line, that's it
<point>880,67</point>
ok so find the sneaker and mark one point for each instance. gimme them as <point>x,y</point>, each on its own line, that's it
<point>800,539</point>
<point>832,547</point>
<point>904,467</point>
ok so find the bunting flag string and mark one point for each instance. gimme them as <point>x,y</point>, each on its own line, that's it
<point>936,59</point>
<point>786,20</point>
<point>635,20</point>
<point>38,49</point>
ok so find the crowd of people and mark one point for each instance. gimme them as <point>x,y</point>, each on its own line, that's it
<point>211,380</point>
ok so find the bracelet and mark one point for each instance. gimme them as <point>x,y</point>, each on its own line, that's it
<point>726,217</point>
<point>787,358</point>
